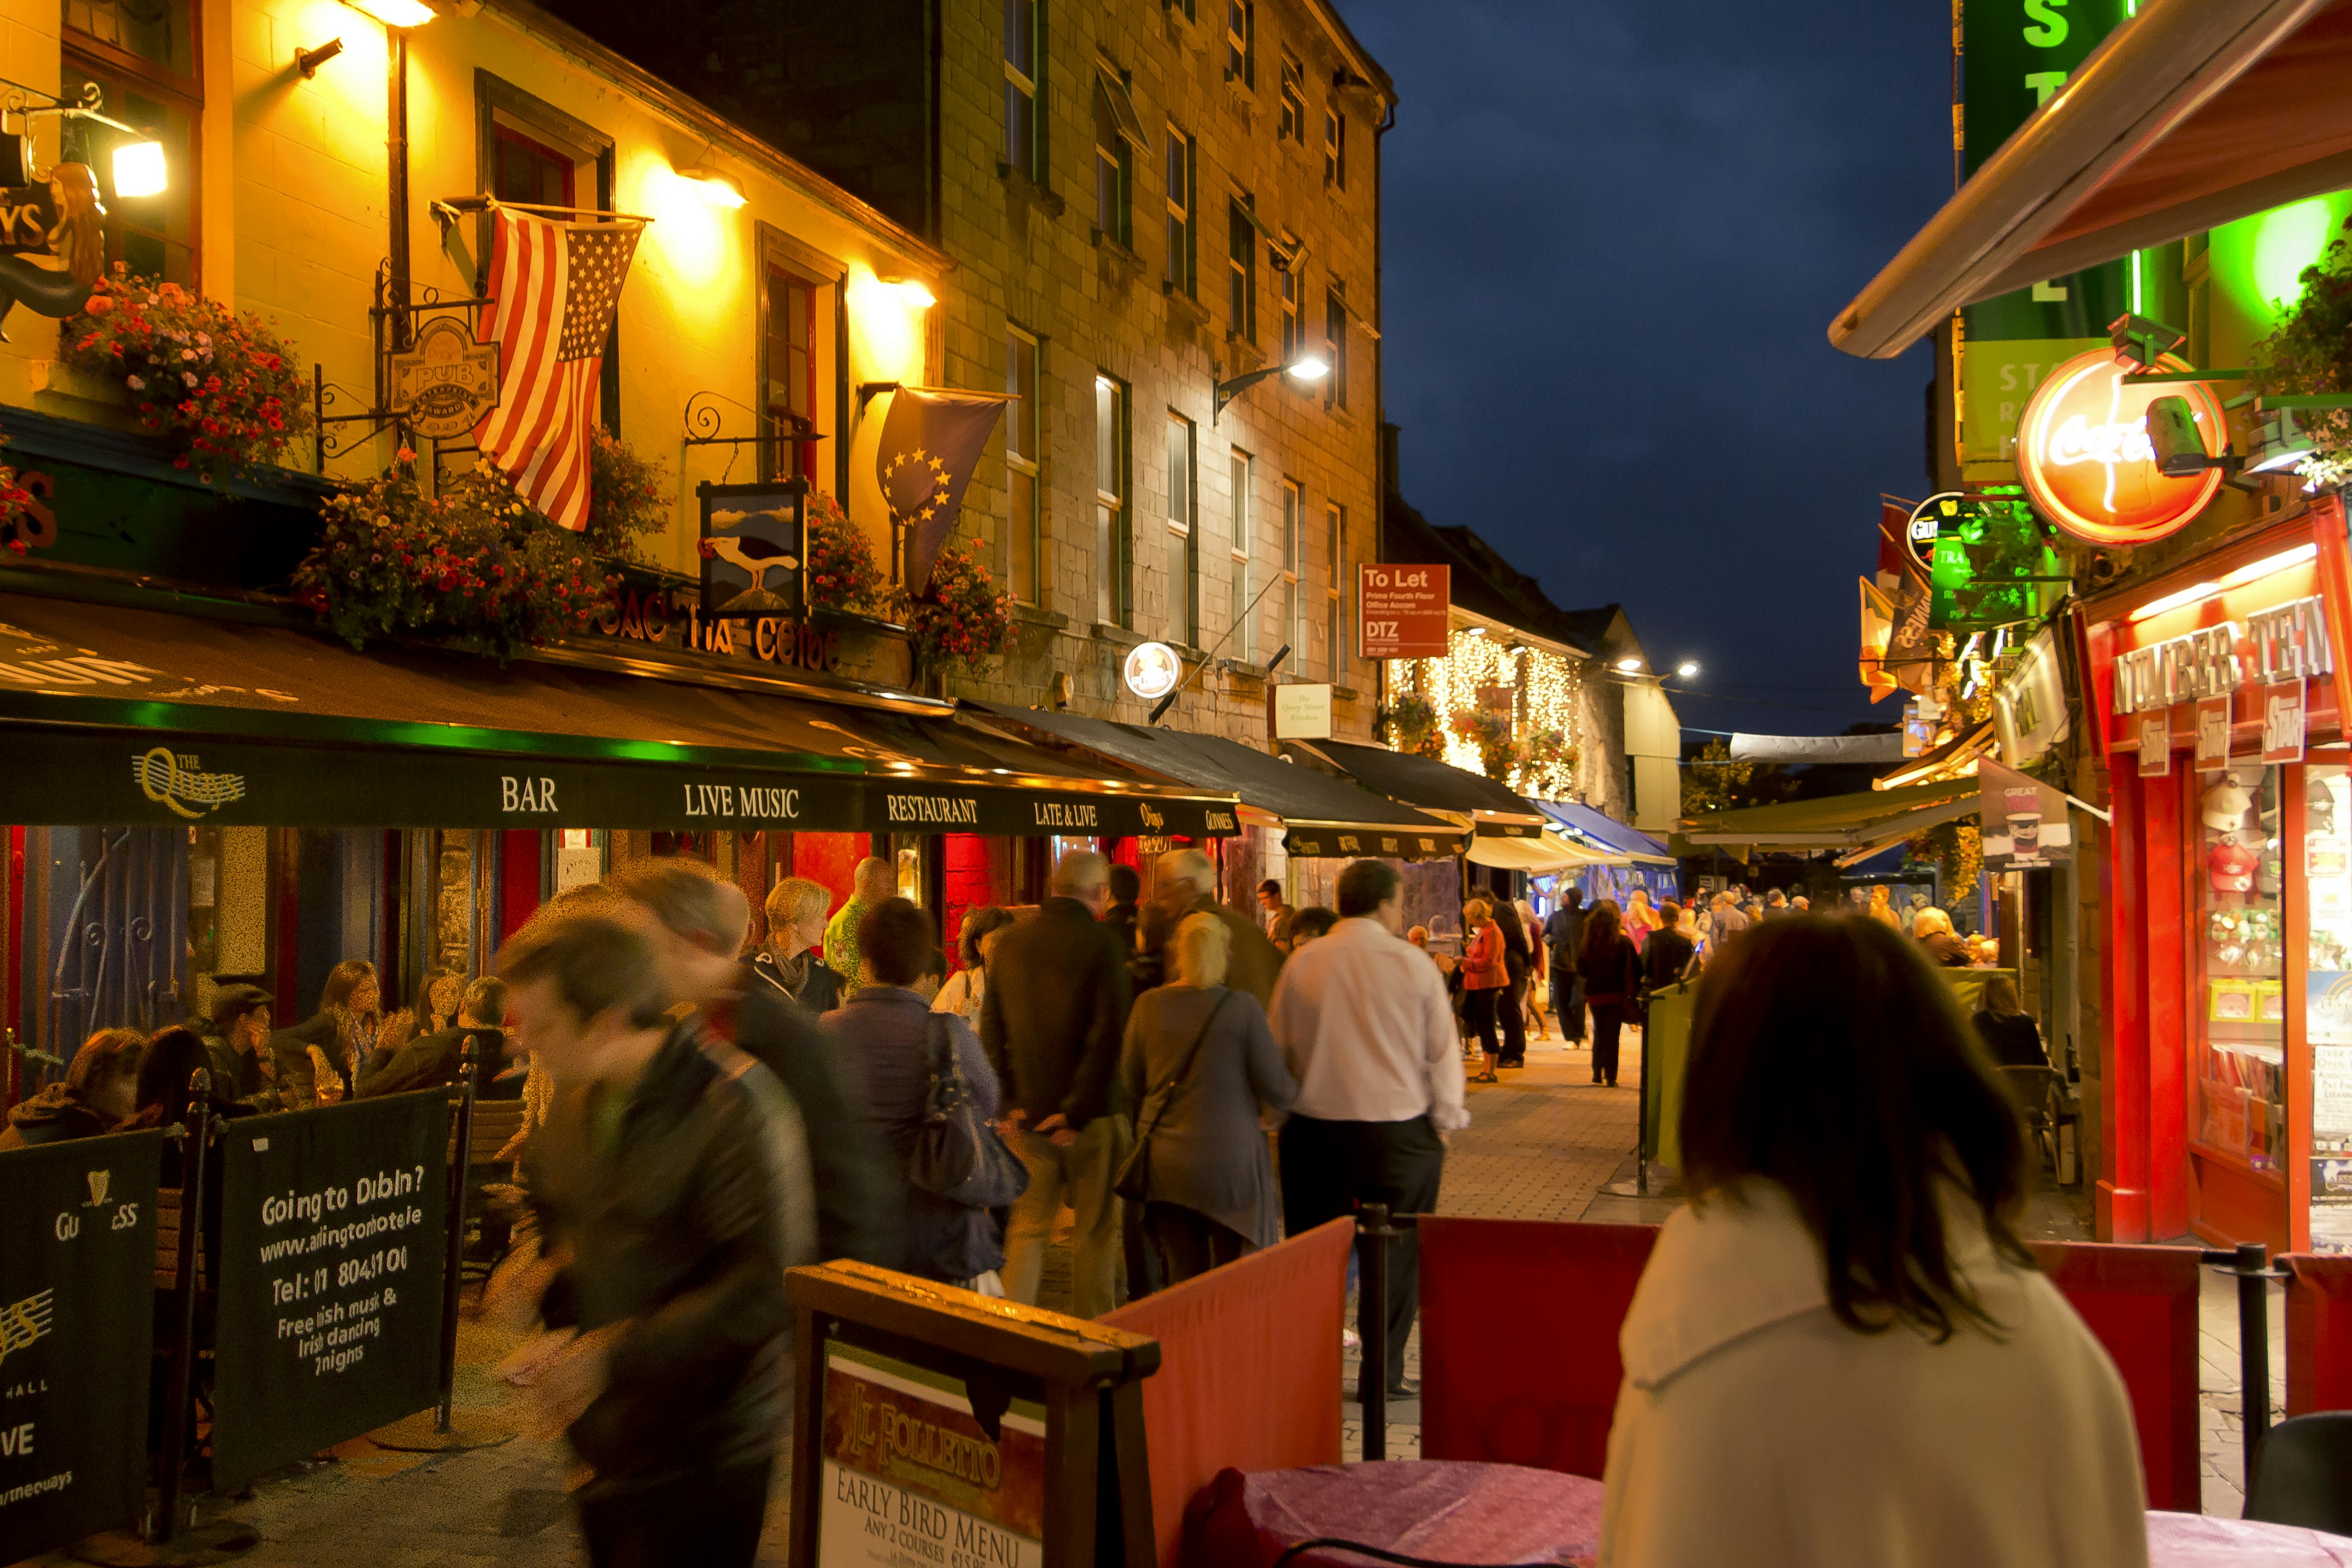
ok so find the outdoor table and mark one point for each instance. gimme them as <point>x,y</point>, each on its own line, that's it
<point>1452,1511</point>
<point>2194,1541</point>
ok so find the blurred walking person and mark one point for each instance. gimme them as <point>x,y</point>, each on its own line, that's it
<point>1613,985</point>
<point>967,989</point>
<point>669,1193</point>
<point>1054,1012</point>
<point>1485,981</point>
<point>874,880</point>
<point>1364,1026</point>
<point>1518,960</point>
<point>1198,1063</point>
<point>1563,935</point>
<point>1670,956</point>
<point>1841,1350</point>
<point>1188,885</point>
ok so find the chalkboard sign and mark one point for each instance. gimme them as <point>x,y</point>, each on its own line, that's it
<point>77,1320</point>
<point>332,1232</point>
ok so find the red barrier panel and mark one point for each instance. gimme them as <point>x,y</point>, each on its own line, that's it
<point>2318,1334</point>
<point>1249,1370</point>
<point>2141,1304</point>
<point>1482,1396</point>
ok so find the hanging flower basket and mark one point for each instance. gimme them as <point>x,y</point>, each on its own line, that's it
<point>474,566</point>
<point>220,386</point>
<point>1547,766</point>
<point>628,499</point>
<point>842,573</point>
<point>1491,733</point>
<point>963,620</point>
<point>1409,724</point>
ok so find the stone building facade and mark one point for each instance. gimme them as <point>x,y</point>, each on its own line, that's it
<point>1141,199</point>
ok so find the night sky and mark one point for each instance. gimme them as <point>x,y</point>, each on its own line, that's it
<point>1615,234</point>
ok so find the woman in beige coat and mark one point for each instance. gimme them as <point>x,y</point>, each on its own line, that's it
<point>1841,1355</point>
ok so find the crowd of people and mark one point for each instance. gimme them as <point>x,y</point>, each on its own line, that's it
<point>705,1111</point>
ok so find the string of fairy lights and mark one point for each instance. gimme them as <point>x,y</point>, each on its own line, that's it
<point>1546,693</point>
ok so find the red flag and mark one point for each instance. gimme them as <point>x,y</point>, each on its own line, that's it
<point>553,287</point>
<point>1893,539</point>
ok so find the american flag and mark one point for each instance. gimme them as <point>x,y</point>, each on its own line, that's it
<point>553,287</point>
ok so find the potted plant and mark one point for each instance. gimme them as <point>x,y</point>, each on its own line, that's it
<point>473,565</point>
<point>961,619</point>
<point>220,386</point>
<point>2310,355</point>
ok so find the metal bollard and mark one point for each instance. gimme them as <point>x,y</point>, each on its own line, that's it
<point>180,1371</point>
<point>2249,1263</point>
<point>454,1266</point>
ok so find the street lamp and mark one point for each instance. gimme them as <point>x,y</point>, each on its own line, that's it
<point>1308,367</point>
<point>1687,669</point>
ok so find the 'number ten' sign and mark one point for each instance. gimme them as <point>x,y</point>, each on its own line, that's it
<point>2084,453</point>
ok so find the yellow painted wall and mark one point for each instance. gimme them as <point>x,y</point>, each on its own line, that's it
<point>295,197</point>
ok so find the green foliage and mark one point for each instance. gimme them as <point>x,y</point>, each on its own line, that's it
<point>474,564</point>
<point>2311,354</point>
<point>1408,723</point>
<point>1546,765</point>
<point>1491,733</point>
<point>1956,850</point>
<point>964,620</point>
<point>628,499</point>
<point>1713,782</point>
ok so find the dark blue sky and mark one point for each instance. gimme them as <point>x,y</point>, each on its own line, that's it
<point>1616,231</point>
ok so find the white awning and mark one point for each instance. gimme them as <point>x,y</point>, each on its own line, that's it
<point>1540,856</point>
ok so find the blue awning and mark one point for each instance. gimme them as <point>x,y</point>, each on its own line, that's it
<point>1605,833</point>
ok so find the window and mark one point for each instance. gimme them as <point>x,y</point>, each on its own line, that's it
<point>1183,6</point>
<point>1024,541</point>
<point>1182,173</point>
<point>1293,127</point>
<point>1335,625</point>
<point>1242,476</point>
<point>1288,285</point>
<point>529,171</point>
<point>1241,273</point>
<point>1112,605</point>
<point>1025,138</point>
<point>143,59</point>
<point>789,405</point>
<point>1335,148</point>
<point>1293,599</point>
<point>1183,537</point>
<point>527,150</point>
<point>1335,346</point>
<point>1114,167</point>
<point>1241,42</point>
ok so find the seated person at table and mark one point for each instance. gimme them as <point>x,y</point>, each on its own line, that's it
<point>99,1089</point>
<point>2010,1036</point>
<point>1840,1352</point>
<point>434,1060</point>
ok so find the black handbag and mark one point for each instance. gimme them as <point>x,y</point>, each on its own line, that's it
<point>957,1153</point>
<point>1133,1177</point>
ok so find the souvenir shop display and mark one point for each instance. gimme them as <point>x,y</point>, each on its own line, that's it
<point>2327,876</point>
<point>2241,1058</point>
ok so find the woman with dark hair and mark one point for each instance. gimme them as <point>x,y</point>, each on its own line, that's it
<point>1840,1350</point>
<point>97,1091</point>
<point>172,1057</point>
<point>1518,956</point>
<point>1613,984</point>
<point>439,996</point>
<point>2008,1035</point>
<point>319,1058</point>
<point>968,987</point>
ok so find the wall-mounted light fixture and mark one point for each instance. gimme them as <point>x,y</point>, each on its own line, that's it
<point>1309,367</point>
<point>911,291</point>
<point>718,188</point>
<point>307,61</point>
<point>1687,669</point>
<point>139,166</point>
<point>139,169</point>
<point>1629,665</point>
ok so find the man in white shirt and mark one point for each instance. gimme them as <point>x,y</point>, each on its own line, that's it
<point>1363,1022</point>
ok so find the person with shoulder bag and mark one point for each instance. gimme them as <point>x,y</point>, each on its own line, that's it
<point>1198,1062</point>
<point>931,1093</point>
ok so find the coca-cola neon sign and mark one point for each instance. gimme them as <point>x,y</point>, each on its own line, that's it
<point>2084,453</point>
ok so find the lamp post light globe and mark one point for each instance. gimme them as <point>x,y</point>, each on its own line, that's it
<point>1687,669</point>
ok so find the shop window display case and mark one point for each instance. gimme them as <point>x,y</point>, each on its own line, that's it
<point>2238,1109</point>
<point>2327,874</point>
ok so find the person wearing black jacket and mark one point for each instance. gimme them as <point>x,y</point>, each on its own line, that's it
<point>100,1090</point>
<point>436,1059</point>
<point>1052,1022</point>
<point>697,925</point>
<point>1611,970</point>
<point>671,1192</point>
<point>1564,935</point>
<point>1667,955</point>
<point>788,962</point>
<point>1519,960</point>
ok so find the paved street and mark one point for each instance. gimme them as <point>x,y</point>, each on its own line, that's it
<point>1541,1145</point>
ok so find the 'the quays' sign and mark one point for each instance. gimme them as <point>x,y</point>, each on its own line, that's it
<point>2083,452</point>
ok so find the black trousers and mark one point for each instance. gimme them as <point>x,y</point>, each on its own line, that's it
<point>1608,1017</point>
<point>1329,1167</point>
<point>709,1517</point>
<point>1186,1242</point>
<point>1513,1011</point>
<point>1478,1011</point>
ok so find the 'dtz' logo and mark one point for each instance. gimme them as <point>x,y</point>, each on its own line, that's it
<point>177,783</point>
<point>23,1323</point>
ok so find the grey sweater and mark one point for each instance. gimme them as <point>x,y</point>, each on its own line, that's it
<point>1208,1153</point>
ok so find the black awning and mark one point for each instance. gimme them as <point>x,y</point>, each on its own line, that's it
<point>1423,782</point>
<point>110,714</point>
<point>1325,815</point>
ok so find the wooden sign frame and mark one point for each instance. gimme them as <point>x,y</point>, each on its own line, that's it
<point>1097,1487</point>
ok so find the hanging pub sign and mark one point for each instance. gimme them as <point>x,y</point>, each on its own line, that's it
<point>2028,706</point>
<point>753,549</point>
<point>1990,563</point>
<point>443,387</point>
<point>1400,611</point>
<point>2083,452</point>
<point>2023,820</point>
